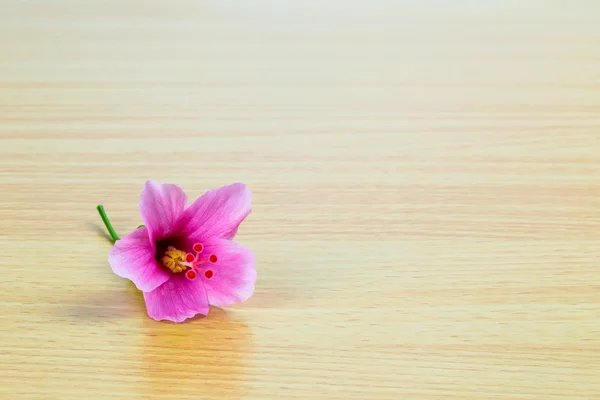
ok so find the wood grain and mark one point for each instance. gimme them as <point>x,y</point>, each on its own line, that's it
<point>426,193</point>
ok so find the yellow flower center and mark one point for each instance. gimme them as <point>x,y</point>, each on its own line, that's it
<point>174,259</point>
<point>193,264</point>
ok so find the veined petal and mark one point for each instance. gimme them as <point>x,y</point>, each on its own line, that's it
<point>218,213</point>
<point>177,299</point>
<point>233,276</point>
<point>161,205</point>
<point>132,257</point>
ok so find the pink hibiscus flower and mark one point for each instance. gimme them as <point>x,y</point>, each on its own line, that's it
<point>183,259</point>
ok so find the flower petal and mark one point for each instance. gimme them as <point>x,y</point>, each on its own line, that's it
<point>160,206</point>
<point>132,257</point>
<point>217,213</point>
<point>233,275</point>
<point>177,299</point>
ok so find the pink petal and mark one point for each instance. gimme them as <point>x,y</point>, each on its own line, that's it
<point>132,257</point>
<point>217,213</point>
<point>160,206</point>
<point>233,275</point>
<point>177,299</point>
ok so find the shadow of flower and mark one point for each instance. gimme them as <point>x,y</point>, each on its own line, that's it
<point>120,303</point>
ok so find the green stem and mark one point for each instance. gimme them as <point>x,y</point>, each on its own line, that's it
<point>109,227</point>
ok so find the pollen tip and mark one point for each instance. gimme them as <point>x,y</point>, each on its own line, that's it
<point>213,258</point>
<point>189,257</point>
<point>191,274</point>
<point>198,247</point>
<point>208,274</point>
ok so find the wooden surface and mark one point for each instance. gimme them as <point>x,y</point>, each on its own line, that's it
<point>426,196</point>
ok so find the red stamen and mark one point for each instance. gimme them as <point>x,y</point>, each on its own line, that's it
<point>189,257</point>
<point>213,258</point>
<point>191,274</point>
<point>198,247</point>
<point>208,274</point>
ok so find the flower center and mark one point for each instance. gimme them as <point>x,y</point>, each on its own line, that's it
<point>179,261</point>
<point>173,259</point>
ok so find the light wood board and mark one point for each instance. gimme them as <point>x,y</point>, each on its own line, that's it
<point>426,196</point>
